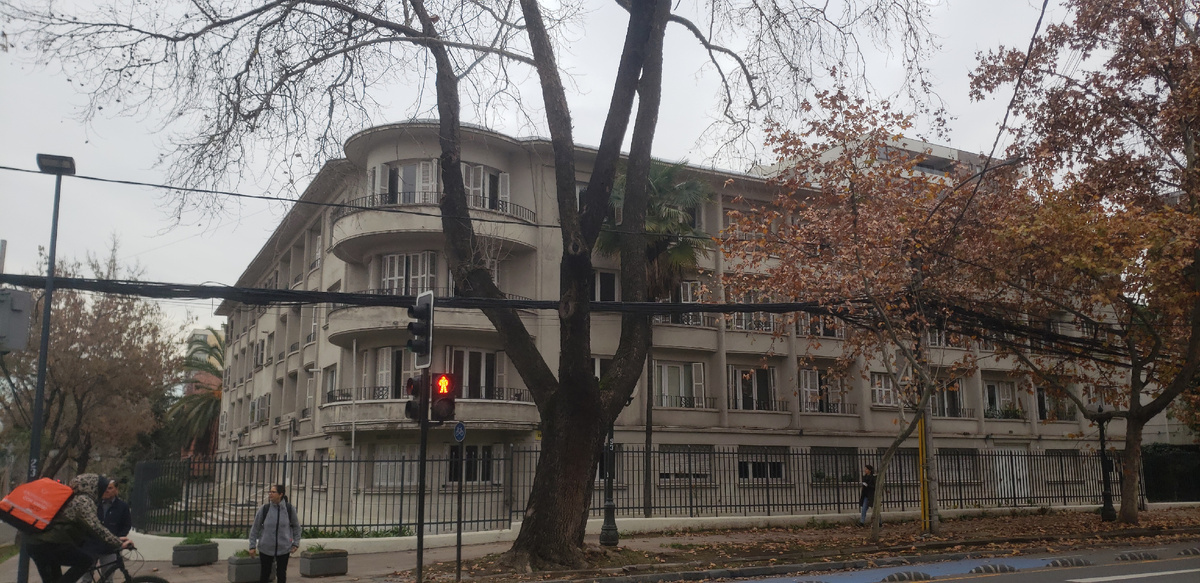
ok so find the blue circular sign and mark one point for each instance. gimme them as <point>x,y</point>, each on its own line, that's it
<point>460,432</point>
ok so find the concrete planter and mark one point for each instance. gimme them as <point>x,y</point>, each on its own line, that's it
<point>194,555</point>
<point>244,570</point>
<point>324,563</point>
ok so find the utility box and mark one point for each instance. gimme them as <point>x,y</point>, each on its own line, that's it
<point>15,309</point>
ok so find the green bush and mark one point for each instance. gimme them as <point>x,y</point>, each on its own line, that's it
<point>196,538</point>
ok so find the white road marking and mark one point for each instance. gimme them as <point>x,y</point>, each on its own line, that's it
<point>1131,576</point>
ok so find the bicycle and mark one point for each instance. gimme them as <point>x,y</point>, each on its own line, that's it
<point>99,573</point>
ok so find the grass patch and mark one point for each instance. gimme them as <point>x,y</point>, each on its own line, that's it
<point>9,551</point>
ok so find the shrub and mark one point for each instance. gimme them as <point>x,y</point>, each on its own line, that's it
<point>196,538</point>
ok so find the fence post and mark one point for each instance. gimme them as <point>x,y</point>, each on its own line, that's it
<point>691,485</point>
<point>187,499</point>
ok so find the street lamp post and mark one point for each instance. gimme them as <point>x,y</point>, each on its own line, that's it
<point>1107,512</point>
<point>58,166</point>
<point>608,531</point>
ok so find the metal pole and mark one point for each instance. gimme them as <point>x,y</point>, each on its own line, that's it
<point>1107,512</point>
<point>608,531</point>
<point>35,437</point>
<point>462,477</point>
<point>424,421</point>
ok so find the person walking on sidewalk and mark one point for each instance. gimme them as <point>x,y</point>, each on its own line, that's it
<point>275,535</point>
<point>866,497</point>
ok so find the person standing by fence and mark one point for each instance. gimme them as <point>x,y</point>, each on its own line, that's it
<point>866,497</point>
<point>275,534</point>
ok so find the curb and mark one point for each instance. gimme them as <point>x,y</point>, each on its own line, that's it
<point>820,567</point>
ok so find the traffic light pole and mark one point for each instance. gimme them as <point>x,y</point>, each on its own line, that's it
<point>423,385</point>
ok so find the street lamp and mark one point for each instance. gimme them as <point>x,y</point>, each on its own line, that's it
<point>609,536</point>
<point>1107,512</point>
<point>58,166</point>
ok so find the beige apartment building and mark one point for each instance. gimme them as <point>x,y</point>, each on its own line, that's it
<point>316,381</point>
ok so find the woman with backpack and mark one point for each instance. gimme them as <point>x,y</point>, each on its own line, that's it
<point>275,534</point>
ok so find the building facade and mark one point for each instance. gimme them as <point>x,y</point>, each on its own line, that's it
<point>317,382</point>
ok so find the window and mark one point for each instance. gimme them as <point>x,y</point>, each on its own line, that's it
<point>331,383</point>
<point>1053,408</point>
<point>391,466</point>
<point>606,287</point>
<point>408,274</point>
<point>321,468</point>
<point>383,366</point>
<point>753,389</point>
<point>688,292</point>
<point>936,337</point>
<point>947,401</point>
<point>1001,400</point>
<point>477,466</point>
<point>761,463</point>
<point>752,321</point>
<point>413,182</point>
<point>820,393</point>
<point>486,188</point>
<point>481,373</point>
<point>820,326</point>
<point>958,465</point>
<point>310,394</point>
<point>679,384</point>
<point>883,390</point>
<point>685,463</point>
<point>834,464</point>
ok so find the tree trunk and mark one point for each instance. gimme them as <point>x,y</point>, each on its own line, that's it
<point>1131,466</point>
<point>572,435</point>
<point>930,472</point>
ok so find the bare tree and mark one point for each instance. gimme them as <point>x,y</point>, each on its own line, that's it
<point>241,77</point>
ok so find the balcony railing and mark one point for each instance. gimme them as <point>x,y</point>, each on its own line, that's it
<point>1004,413</point>
<point>296,280</point>
<point>693,319</point>
<point>441,292</point>
<point>745,404</point>
<point>754,322</point>
<point>306,413</point>
<point>386,393</point>
<point>829,407</point>
<point>682,402</point>
<point>294,347</point>
<point>338,396</point>
<point>954,412</point>
<point>423,197</point>
<point>1065,412</point>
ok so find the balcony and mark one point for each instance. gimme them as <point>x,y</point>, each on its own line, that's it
<point>1060,412</point>
<point>502,408</point>
<point>1011,413</point>
<point>745,404</point>
<point>829,407</point>
<point>365,223</point>
<point>954,412</point>
<point>680,402</point>
<point>690,319</point>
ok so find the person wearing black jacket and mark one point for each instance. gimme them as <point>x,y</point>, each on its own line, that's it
<point>114,514</point>
<point>866,497</point>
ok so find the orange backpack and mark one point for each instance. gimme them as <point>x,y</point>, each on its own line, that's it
<point>31,506</point>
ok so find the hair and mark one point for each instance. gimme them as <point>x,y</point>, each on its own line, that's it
<point>871,468</point>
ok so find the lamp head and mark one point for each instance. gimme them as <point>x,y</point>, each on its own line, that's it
<point>60,165</point>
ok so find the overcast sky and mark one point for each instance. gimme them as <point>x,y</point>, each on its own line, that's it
<point>39,109</point>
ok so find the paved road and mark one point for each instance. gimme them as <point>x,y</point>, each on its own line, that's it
<point>1156,564</point>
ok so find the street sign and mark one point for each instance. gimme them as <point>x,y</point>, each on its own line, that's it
<point>460,432</point>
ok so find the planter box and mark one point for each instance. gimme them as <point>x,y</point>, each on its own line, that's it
<point>194,555</point>
<point>324,563</point>
<point>245,570</point>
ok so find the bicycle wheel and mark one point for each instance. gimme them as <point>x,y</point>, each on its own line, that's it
<point>147,579</point>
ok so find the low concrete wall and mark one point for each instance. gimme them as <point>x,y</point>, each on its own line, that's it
<point>158,548</point>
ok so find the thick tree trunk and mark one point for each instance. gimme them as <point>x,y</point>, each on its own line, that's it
<point>1131,466</point>
<point>572,433</point>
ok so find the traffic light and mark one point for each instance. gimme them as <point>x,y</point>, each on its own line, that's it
<point>445,389</point>
<point>415,407</point>
<point>421,328</point>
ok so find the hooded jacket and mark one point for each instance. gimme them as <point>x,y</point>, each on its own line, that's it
<point>77,520</point>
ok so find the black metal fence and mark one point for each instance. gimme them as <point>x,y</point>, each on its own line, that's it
<point>379,497</point>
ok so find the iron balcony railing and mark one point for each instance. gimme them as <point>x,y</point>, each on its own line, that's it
<point>693,319</point>
<point>681,402</point>
<point>954,412</point>
<point>426,198</point>
<point>829,407</point>
<point>748,404</point>
<point>388,393</point>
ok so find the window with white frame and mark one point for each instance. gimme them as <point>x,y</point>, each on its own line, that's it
<point>684,464</point>
<point>408,182</point>
<point>752,388</point>
<point>383,366</point>
<point>392,465</point>
<point>481,373</point>
<point>487,188</point>
<point>606,288</point>
<point>1001,400</point>
<point>476,467</point>
<point>936,337</point>
<point>947,401</point>
<point>329,374</point>
<point>883,390</point>
<point>679,384</point>
<point>820,392</point>
<point>820,326</point>
<point>752,321</point>
<point>408,274</point>
<point>310,393</point>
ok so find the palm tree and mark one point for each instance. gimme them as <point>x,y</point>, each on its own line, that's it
<point>194,417</point>
<point>674,245</point>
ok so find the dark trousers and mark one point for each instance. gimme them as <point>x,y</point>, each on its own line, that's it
<point>51,558</point>
<point>280,562</point>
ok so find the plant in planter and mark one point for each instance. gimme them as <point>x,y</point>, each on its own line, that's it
<point>318,561</point>
<point>243,568</point>
<point>194,550</point>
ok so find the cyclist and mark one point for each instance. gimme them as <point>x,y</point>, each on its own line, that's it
<point>60,544</point>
